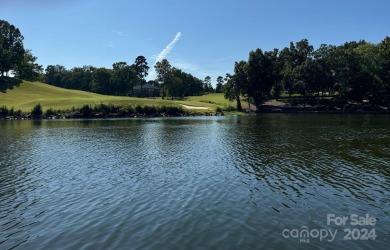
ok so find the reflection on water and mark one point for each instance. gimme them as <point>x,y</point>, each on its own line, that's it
<point>206,182</point>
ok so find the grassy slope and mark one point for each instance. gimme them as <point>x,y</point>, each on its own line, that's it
<point>210,100</point>
<point>28,94</point>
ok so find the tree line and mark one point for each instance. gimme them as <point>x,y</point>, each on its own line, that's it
<point>121,79</point>
<point>353,72</point>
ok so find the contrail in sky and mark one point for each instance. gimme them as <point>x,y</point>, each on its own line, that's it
<point>164,53</point>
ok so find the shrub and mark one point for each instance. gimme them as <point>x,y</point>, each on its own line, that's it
<point>11,112</point>
<point>86,111</point>
<point>130,110</point>
<point>101,108</point>
<point>19,112</point>
<point>37,112</point>
<point>121,111</point>
<point>3,111</point>
<point>162,109</point>
<point>139,109</point>
<point>150,110</point>
<point>50,112</point>
<point>230,108</point>
<point>107,109</point>
<point>113,109</point>
<point>174,111</point>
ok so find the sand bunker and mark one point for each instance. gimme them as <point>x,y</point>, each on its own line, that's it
<point>193,107</point>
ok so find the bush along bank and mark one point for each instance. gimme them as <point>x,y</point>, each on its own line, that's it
<point>102,111</point>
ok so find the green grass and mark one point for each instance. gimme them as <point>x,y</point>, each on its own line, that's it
<point>212,101</point>
<point>209,99</point>
<point>28,94</point>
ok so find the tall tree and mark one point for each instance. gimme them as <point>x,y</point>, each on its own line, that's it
<point>141,67</point>
<point>54,75</point>
<point>372,67</point>
<point>296,67</point>
<point>176,87</point>
<point>87,78</point>
<point>27,68</point>
<point>234,85</point>
<point>164,72</point>
<point>102,81</point>
<point>351,80</point>
<point>260,75</point>
<point>207,84</point>
<point>11,47</point>
<point>77,79</point>
<point>123,77</point>
<point>287,69</point>
<point>191,85</point>
<point>385,62</point>
<point>220,82</point>
<point>303,68</point>
<point>323,64</point>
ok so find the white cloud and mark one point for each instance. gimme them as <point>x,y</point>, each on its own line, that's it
<point>165,52</point>
<point>163,55</point>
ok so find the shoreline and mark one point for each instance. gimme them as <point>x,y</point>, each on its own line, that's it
<point>110,116</point>
<point>104,111</point>
<point>162,115</point>
<point>324,109</point>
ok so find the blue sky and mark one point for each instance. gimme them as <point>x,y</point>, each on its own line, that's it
<point>213,33</point>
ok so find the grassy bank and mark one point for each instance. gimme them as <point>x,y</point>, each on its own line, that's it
<point>25,95</point>
<point>28,94</point>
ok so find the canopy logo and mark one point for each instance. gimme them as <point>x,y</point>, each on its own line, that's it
<point>304,234</point>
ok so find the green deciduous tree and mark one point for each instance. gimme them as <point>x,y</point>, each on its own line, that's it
<point>27,68</point>
<point>36,111</point>
<point>176,87</point>
<point>164,72</point>
<point>235,83</point>
<point>102,81</point>
<point>302,54</point>
<point>351,78</point>
<point>11,47</point>
<point>323,65</point>
<point>384,48</point>
<point>372,68</point>
<point>191,84</point>
<point>79,78</point>
<point>54,75</point>
<point>123,78</point>
<point>261,75</point>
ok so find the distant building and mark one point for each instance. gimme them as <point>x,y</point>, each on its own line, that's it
<point>146,90</point>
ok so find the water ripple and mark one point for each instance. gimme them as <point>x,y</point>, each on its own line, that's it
<point>231,183</point>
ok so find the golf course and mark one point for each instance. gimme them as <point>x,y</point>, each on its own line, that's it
<point>26,95</point>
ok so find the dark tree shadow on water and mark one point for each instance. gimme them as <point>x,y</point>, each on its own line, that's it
<point>8,83</point>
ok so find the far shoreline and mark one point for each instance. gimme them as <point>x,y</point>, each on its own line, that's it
<point>192,114</point>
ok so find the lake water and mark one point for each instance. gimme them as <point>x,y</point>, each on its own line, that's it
<point>196,183</point>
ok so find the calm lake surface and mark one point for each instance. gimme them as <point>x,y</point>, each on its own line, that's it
<point>195,183</point>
